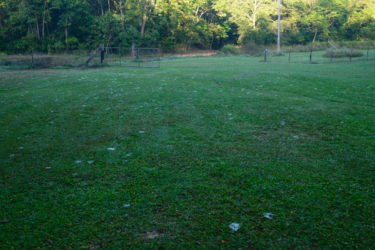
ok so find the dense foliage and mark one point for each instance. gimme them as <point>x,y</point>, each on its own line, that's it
<point>55,25</point>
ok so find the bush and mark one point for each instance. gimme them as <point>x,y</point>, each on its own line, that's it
<point>357,44</point>
<point>253,49</point>
<point>230,50</point>
<point>301,48</point>
<point>342,52</point>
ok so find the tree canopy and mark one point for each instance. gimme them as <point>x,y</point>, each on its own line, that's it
<point>56,25</point>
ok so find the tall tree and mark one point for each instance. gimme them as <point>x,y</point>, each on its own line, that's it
<point>248,15</point>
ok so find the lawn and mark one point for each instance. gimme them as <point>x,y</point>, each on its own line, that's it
<point>138,158</point>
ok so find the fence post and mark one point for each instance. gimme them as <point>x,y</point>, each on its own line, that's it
<point>265,55</point>
<point>119,54</point>
<point>32,58</point>
<point>311,51</point>
<point>133,50</point>
<point>351,55</point>
<point>102,52</point>
<point>368,52</point>
<point>139,61</point>
<point>290,50</point>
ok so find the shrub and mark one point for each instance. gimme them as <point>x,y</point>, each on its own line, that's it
<point>301,48</point>
<point>230,50</point>
<point>253,49</point>
<point>342,52</point>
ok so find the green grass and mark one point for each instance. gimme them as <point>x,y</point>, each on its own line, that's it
<point>226,139</point>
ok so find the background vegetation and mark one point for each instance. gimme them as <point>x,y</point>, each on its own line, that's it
<point>59,25</point>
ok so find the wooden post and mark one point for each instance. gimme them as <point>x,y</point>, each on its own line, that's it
<point>120,55</point>
<point>133,50</point>
<point>265,55</point>
<point>290,50</point>
<point>351,55</point>
<point>137,55</point>
<point>32,58</point>
<point>368,52</point>
<point>311,51</point>
<point>102,53</point>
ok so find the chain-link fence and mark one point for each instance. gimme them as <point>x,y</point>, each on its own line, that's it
<point>131,57</point>
<point>319,56</point>
<point>105,56</point>
<point>42,60</point>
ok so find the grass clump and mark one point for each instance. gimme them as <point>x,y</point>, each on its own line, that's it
<point>253,49</point>
<point>342,52</point>
<point>230,50</point>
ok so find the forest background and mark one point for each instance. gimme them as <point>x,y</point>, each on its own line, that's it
<point>61,25</point>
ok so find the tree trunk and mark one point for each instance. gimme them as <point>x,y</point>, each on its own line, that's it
<point>66,36</point>
<point>94,54</point>
<point>109,40</point>
<point>278,27</point>
<point>316,33</point>
<point>196,15</point>
<point>44,18</point>
<point>101,7</point>
<point>122,16</point>
<point>109,5</point>
<point>43,22</point>
<point>255,13</point>
<point>143,25</point>
<point>149,5</point>
<point>37,29</point>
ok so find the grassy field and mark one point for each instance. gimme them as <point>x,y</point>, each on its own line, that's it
<point>146,158</point>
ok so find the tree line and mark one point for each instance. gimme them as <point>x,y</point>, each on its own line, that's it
<point>58,25</point>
